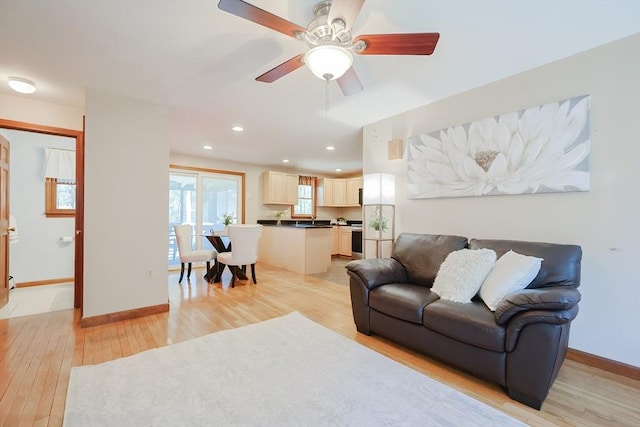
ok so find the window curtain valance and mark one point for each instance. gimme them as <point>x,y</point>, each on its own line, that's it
<point>60,164</point>
<point>306,180</point>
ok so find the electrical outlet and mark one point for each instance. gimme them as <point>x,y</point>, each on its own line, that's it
<point>149,273</point>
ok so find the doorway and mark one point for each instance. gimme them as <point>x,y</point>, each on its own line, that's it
<point>202,197</point>
<point>78,229</point>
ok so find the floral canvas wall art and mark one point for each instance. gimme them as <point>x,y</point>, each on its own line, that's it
<point>537,150</point>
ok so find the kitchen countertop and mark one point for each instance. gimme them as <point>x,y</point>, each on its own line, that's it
<point>319,223</point>
<point>298,225</point>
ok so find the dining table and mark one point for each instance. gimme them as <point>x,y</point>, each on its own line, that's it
<point>221,243</point>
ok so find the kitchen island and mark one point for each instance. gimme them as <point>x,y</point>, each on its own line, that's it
<point>304,248</point>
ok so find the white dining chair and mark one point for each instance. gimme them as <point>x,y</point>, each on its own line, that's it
<point>186,252</point>
<point>244,240</point>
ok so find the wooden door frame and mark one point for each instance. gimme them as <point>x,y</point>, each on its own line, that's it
<point>78,135</point>
<point>5,220</point>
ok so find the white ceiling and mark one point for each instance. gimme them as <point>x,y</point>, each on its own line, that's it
<point>202,62</point>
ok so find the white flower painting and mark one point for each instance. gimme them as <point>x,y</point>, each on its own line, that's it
<point>538,150</point>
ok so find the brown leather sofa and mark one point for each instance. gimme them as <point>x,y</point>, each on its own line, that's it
<point>521,346</point>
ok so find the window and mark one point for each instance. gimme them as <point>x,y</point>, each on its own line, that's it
<point>202,197</point>
<point>306,206</point>
<point>60,197</point>
<point>60,182</point>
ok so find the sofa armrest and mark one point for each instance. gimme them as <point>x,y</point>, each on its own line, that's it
<point>518,323</point>
<point>553,298</point>
<point>375,272</point>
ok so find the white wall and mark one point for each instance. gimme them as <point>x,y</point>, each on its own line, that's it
<point>38,255</point>
<point>126,199</point>
<point>604,221</point>
<point>255,210</point>
<point>22,108</point>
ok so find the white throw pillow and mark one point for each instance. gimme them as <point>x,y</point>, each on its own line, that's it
<point>462,273</point>
<point>512,272</point>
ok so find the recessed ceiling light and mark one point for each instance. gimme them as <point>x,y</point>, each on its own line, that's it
<point>22,85</point>
<point>338,170</point>
<point>237,128</point>
<point>285,160</point>
<point>331,148</point>
<point>207,147</point>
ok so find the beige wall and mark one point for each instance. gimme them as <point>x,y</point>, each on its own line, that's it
<point>25,109</point>
<point>125,234</point>
<point>126,199</point>
<point>604,221</point>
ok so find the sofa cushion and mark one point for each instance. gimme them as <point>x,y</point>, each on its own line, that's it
<point>473,323</point>
<point>462,273</point>
<point>401,300</point>
<point>511,273</point>
<point>561,266</point>
<point>422,254</point>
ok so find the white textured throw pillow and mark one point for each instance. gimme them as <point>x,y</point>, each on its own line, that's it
<point>512,272</point>
<point>462,273</point>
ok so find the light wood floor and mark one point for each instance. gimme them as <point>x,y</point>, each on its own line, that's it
<point>37,352</point>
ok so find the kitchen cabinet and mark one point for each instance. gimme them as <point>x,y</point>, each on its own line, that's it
<point>353,191</point>
<point>339,192</point>
<point>306,250</point>
<point>345,240</point>
<point>332,192</point>
<point>279,188</point>
<point>325,192</point>
<point>335,240</point>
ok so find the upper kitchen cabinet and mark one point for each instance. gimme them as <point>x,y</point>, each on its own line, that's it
<point>279,188</point>
<point>332,192</point>
<point>339,192</point>
<point>353,190</point>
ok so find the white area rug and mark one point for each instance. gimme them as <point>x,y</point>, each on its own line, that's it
<point>287,371</point>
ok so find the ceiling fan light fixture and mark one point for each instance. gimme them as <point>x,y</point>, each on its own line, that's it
<point>22,85</point>
<point>328,62</point>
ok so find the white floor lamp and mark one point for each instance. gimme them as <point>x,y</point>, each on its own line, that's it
<point>378,200</point>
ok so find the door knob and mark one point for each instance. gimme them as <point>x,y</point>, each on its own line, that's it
<point>10,229</point>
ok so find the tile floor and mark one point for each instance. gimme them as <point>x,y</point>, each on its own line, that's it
<point>38,299</point>
<point>336,273</point>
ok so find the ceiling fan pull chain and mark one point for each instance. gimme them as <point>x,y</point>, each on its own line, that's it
<point>326,98</point>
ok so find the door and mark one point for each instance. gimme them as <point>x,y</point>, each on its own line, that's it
<point>78,275</point>
<point>202,198</point>
<point>79,243</point>
<point>4,221</point>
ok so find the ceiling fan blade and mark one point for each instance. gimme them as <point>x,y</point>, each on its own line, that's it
<point>347,10</point>
<point>349,82</point>
<point>281,70</point>
<point>259,16</point>
<point>399,44</point>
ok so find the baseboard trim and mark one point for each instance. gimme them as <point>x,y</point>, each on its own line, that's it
<point>87,322</point>
<point>45,282</point>
<point>603,363</point>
